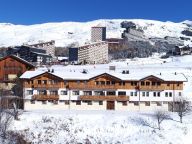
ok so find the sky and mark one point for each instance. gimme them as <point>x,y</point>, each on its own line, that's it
<point>29,12</point>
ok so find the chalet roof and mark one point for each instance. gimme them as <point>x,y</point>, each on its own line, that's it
<point>67,74</point>
<point>19,59</point>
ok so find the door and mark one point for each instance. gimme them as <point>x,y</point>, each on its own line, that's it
<point>110,105</point>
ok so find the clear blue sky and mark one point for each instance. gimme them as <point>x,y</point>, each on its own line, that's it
<point>41,11</point>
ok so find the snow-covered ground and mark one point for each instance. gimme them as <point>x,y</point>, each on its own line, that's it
<point>65,33</point>
<point>101,127</point>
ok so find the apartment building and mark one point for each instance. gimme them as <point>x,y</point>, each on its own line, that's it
<point>98,34</point>
<point>57,89</point>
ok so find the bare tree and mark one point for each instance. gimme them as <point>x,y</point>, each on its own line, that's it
<point>183,108</point>
<point>160,116</point>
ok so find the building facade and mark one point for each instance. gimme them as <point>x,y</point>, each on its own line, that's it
<point>12,67</point>
<point>49,47</point>
<point>101,91</point>
<point>33,55</point>
<point>98,34</point>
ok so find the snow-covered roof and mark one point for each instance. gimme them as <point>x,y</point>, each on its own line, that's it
<point>67,74</point>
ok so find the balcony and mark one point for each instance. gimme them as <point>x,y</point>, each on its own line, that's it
<point>45,97</point>
<point>108,98</point>
<point>46,86</point>
<point>94,87</point>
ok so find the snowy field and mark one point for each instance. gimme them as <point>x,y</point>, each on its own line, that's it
<point>102,127</point>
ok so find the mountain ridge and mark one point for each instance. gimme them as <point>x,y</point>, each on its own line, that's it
<point>67,33</point>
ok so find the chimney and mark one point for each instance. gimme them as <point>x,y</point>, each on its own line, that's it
<point>175,73</point>
<point>52,71</point>
<point>160,73</point>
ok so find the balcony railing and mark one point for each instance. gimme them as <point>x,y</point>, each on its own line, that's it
<point>108,97</point>
<point>45,97</point>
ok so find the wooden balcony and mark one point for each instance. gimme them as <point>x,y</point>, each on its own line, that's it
<point>46,86</point>
<point>94,87</point>
<point>107,98</point>
<point>45,97</point>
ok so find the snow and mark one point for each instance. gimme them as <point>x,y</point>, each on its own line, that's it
<point>60,127</point>
<point>66,33</point>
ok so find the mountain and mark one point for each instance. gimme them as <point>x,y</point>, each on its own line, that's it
<point>66,33</point>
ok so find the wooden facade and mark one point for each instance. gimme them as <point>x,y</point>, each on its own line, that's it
<point>12,67</point>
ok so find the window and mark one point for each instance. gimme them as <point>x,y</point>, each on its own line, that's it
<point>153,83</point>
<point>55,102</point>
<point>78,102</point>
<point>75,92</point>
<point>89,102</point>
<point>108,82</point>
<point>147,94</point>
<point>113,82</point>
<point>102,83</point>
<point>32,102</point>
<point>166,94</point>
<point>158,83</point>
<point>147,103</point>
<point>63,92</point>
<point>133,83</point>
<point>131,93</point>
<point>111,93</point>
<point>122,83</point>
<point>168,84</point>
<point>67,102</point>
<point>179,93</point>
<point>99,93</point>
<point>142,83</point>
<point>44,102</point>
<point>159,103</point>
<point>53,92</point>
<point>143,94</point>
<point>124,103</point>
<point>97,83</point>
<point>158,94</point>
<point>136,103</point>
<point>29,92</point>
<point>147,83</point>
<point>121,93</point>
<point>87,93</point>
<point>44,82</point>
<point>135,93</point>
<point>39,81</point>
<point>100,102</point>
<point>170,94</point>
<point>178,84</point>
<point>154,94</point>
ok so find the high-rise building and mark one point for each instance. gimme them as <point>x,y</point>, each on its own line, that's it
<point>98,34</point>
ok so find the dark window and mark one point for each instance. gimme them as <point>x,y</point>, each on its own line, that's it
<point>166,94</point>
<point>89,102</point>
<point>136,103</point>
<point>131,93</point>
<point>108,82</point>
<point>154,94</point>
<point>97,83</point>
<point>78,102</point>
<point>122,83</point>
<point>170,94</point>
<point>32,102</point>
<point>67,102</point>
<point>44,102</point>
<point>153,83</point>
<point>102,83</point>
<point>63,92</point>
<point>65,82</point>
<point>168,84</point>
<point>100,102</point>
<point>147,94</point>
<point>147,103</point>
<point>147,83</point>
<point>135,93</point>
<point>113,82</point>
<point>133,83</point>
<point>158,94</point>
<point>39,81</point>
<point>121,93</point>
<point>143,94</point>
<point>142,83</point>
<point>44,82</point>
<point>124,103</point>
<point>111,93</point>
<point>158,83</point>
<point>159,103</point>
<point>178,84</point>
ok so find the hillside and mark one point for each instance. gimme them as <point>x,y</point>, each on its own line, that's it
<point>66,33</point>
